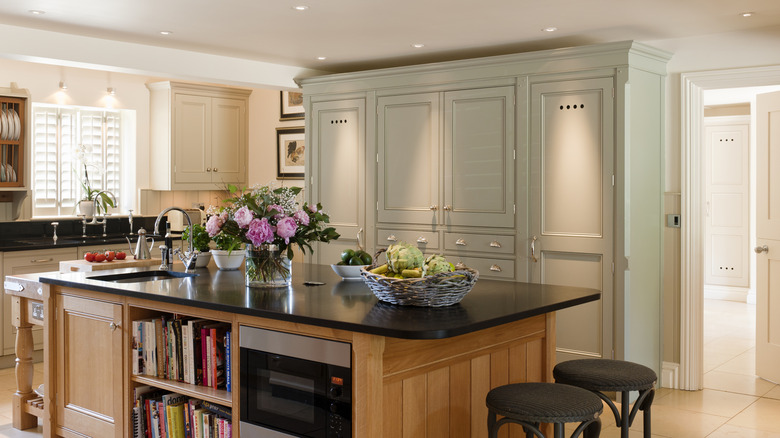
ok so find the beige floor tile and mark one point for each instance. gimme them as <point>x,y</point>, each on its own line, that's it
<point>763,415</point>
<point>672,421</point>
<point>707,401</point>
<point>729,431</point>
<point>737,383</point>
<point>744,363</point>
<point>774,393</point>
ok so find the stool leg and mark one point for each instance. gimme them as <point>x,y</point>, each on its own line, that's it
<point>625,413</point>
<point>558,431</point>
<point>646,412</point>
<point>593,430</point>
<point>492,429</point>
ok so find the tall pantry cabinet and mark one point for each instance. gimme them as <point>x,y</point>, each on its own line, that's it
<point>538,167</point>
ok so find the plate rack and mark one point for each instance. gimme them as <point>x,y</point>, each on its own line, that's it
<point>12,132</point>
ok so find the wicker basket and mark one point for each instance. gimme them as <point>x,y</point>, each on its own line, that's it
<point>444,289</point>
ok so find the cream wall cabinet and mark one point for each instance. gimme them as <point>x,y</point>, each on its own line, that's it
<point>28,262</point>
<point>450,135</point>
<point>199,136</point>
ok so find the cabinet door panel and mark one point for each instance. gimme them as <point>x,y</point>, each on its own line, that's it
<point>408,147</point>
<point>338,164</point>
<point>571,207</point>
<point>89,366</point>
<point>228,151</point>
<point>192,138</point>
<point>478,157</point>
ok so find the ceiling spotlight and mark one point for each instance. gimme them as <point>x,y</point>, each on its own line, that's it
<point>300,8</point>
<point>418,46</point>
<point>549,29</point>
<point>165,32</point>
<point>322,58</point>
<point>747,14</point>
<point>63,85</point>
<point>36,12</point>
<point>111,91</point>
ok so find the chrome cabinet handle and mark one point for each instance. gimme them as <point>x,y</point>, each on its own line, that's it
<point>392,238</point>
<point>433,207</point>
<point>208,169</point>
<point>214,170</point>
<point>495,268</point>
<point>113,326</point>
<point>495,244</point>
<point>50,259</point>
<point>533,250</point>
<point>422,240</point>
<point>447,207</point>
<point>460,242</point>
<point>760,249</point>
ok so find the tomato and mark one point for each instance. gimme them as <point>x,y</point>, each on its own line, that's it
<point>110,255</point>
<point>121,255</point>
<point>89,257</point>
<point>99,257</point>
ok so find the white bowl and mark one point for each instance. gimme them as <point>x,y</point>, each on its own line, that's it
<point>348,272</point>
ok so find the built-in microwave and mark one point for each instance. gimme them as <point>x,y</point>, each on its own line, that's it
<point>294,385</point>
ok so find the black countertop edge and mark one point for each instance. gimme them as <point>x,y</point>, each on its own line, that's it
<point>363,327</point>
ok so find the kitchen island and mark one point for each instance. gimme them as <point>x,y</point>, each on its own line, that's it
<point>415,371</point>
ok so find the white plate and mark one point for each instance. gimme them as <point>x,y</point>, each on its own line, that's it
<point>17,125</point>
<point>2,172</point>
<point>39,390</point>
<point>11,173</point>
<point>3,126</point>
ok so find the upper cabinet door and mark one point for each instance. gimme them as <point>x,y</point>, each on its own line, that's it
<point>479,157</point>
<point>192,139</point>
<point>408,159</point>
<point>228,142</point>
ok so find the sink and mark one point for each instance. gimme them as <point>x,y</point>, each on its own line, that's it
<point>141,276</point>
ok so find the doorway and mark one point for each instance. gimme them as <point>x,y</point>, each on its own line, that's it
<point>694,86</point>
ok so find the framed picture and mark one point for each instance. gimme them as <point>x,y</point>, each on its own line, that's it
<point>290,154</point>
<point>292,106</point>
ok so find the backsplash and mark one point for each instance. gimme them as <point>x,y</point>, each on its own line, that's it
<point>73,227</point>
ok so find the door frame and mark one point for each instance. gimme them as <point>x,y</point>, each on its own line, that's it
<point>692,86</point>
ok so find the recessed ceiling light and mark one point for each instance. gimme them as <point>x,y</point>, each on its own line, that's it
<point>63,85</point>
<point>550,29</point>
<point>111,91</point>
<point>418,45</point>
<point>165,32</point>
<point>747,14</point>
<point>36,12</point>
<point>300,8</point>
<point>322,58</point>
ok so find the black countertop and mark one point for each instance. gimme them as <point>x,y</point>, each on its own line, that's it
<point>340,304</point>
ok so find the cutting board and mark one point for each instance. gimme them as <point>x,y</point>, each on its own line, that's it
<point>85,266</point>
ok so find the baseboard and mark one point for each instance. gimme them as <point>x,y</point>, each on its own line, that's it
<point>670,375</point>
<point>726,293</point>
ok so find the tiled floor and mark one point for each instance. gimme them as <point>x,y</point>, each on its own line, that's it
<point>734,402</point>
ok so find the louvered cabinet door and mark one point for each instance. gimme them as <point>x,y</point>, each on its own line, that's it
<point>89,367</point>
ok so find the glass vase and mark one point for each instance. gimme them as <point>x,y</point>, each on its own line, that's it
<point>267,266</point>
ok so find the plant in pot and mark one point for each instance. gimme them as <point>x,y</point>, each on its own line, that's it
<point>200,240</point>
<point>95,201</point>
<point>229,254</point>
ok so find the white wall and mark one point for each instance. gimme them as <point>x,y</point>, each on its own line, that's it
<point>88,88</point>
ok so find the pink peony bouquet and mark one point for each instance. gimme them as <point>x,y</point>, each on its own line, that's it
<point>268,216</point>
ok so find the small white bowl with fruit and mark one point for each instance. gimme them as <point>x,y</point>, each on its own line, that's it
<point>352,261</point>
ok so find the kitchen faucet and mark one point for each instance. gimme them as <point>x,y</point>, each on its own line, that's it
<point>189,257</point>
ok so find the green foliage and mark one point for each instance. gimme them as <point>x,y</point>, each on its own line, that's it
<point>200,238</point>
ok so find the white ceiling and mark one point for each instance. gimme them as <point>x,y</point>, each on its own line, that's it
<point>361,34</point>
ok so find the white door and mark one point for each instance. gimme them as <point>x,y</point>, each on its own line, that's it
<point>571,206</point>
<point>768,236</point>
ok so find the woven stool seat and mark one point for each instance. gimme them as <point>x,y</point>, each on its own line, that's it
<point>605,375</point>
<point>529,404</point>
<point>600,375</point>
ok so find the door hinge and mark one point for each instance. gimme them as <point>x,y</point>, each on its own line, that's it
<point>377,205</point>
<point>514,208</point>
<point>613,268</point>
<point>613,180</point>
<point>514,155</point>
<point>613,354</point>
<point>613,93</point>
<point>377,158</point>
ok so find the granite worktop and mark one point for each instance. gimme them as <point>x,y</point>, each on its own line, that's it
<point>339,304</point>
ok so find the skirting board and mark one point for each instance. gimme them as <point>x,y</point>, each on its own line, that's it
<point>670,375</point>
<point>739,294</point>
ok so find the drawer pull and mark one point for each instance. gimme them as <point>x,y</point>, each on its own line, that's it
<point>50,259</point>
<point>495,244</point>
<point>422,240</point>
<point>113,326</point>
<point>460,242</point>
<point>433,207</point>
<point>447,207</point>
<point>495,268</point>
<point>392,238</point>
<point>208,169</point>
<point>214,170</point>
<point>16,287</point>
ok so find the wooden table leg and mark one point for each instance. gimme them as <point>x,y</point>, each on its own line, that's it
<point>24,368</point>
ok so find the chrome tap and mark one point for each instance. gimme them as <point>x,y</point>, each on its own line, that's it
<point>130,219</point>
<point>96,199</point>
<point>188,257</point>
<point>83,225</point>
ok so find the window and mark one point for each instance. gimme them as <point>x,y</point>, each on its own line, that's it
<point>67,141</point>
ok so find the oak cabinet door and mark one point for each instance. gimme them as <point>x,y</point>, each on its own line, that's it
<point>89,367</point>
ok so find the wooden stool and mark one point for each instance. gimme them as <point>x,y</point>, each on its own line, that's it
<point>598,375</point>
<point>529,404</point>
